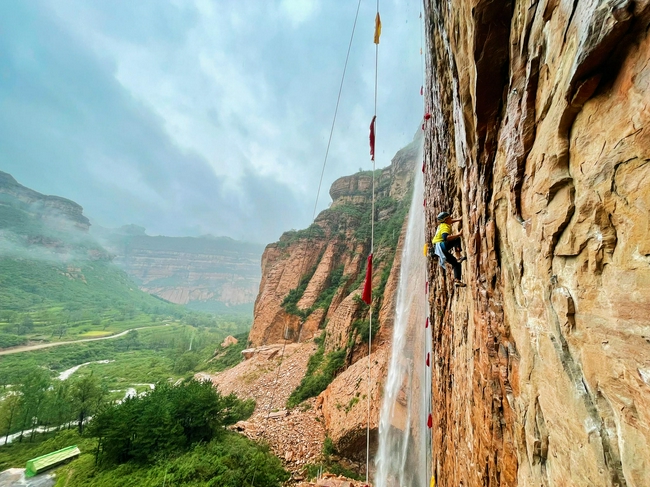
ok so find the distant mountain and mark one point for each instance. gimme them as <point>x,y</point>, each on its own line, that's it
<point>206,273</point>
<point>215,274</point>
<point>54,275</point>
<point>34,225</point>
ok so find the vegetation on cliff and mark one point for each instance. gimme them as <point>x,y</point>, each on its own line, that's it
<point>348,222</point>
<point>321,370</point>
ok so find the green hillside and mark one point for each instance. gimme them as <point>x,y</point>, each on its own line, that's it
<point>56,281</point>
<point>36,284</point>
<point>41,300</point>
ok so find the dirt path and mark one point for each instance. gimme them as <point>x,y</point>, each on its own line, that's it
<point>28,348</point>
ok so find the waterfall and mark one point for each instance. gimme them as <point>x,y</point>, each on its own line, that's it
<point>404,453</point>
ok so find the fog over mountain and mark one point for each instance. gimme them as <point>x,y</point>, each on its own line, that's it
<point>200,117</point>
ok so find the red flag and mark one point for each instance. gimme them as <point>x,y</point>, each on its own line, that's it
<point>430,421</point>
<point>427,116</point>
<point>427,359</point>
<point>426,287</point>
<point>426,325</point>
<point>422,126</point>
<point>372,138</point>
<point>367,287</point>
<point>423,166</point>
<point>421,90</point>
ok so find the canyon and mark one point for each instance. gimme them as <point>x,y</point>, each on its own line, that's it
<point>212,274</point>
<point>536,135</point>
<point>321,270</point>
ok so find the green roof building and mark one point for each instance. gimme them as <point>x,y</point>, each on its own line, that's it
<point>51,460</point>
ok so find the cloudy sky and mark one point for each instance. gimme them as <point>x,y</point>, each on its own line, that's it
<point>191,117</point>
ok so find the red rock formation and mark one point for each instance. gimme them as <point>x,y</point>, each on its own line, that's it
<point>207,272</point>
<point>330,243</point>
<point>336,244</point>
<point>540,139</point>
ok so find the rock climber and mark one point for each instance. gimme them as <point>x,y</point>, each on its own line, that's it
<point>444,241</point>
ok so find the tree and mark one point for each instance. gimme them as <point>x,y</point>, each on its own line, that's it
<point>25,326</point>
<point>58,404</point>
<point>132,339</point>
<point>166,420</point>
<point>86,394</point>
<point>33,391</point>
<point>8,412</point>
<point>185,362</point>
<point>60,330</point>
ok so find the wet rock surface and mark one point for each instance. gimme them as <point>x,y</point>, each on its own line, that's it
<point>539,138</point>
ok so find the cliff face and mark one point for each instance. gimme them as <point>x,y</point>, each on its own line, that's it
<point>339,238</point>
<point>540,139</point>
<point>55,210</point>
<point>208,273</point>
<point>312,282</point>
<point>33,226</point>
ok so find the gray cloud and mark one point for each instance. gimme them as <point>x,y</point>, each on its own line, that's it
<point>199,117</point>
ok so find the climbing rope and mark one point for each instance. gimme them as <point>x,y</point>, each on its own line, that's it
<point>336,110</point>
<point>320,183</point>
<point>373,136</point>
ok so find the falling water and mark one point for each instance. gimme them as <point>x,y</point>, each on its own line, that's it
<point>403,456</point>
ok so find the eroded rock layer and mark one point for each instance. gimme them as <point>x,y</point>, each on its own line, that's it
<point>539,138</point>
<point>311,286</point>
<point>215,274</point>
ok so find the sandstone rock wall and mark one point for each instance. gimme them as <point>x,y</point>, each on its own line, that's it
<point>214,274</point>
<point>540,139</point>
<point>314,254</point>
<point>331,242</point>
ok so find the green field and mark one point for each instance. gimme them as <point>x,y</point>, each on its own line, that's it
<point>50,301</point>
<point>129,401</point>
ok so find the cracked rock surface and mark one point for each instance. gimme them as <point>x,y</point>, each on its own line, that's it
<point>540,139</point>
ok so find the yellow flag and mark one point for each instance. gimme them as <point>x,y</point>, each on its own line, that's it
<point>377,28</point>
<point>433,482</point>
<point>426,249</point>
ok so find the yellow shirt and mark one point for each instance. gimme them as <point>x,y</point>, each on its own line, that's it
<point>442,228</point>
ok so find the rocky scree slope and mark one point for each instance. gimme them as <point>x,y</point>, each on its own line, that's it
<point>540,139</point>
<point>310,289</point>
